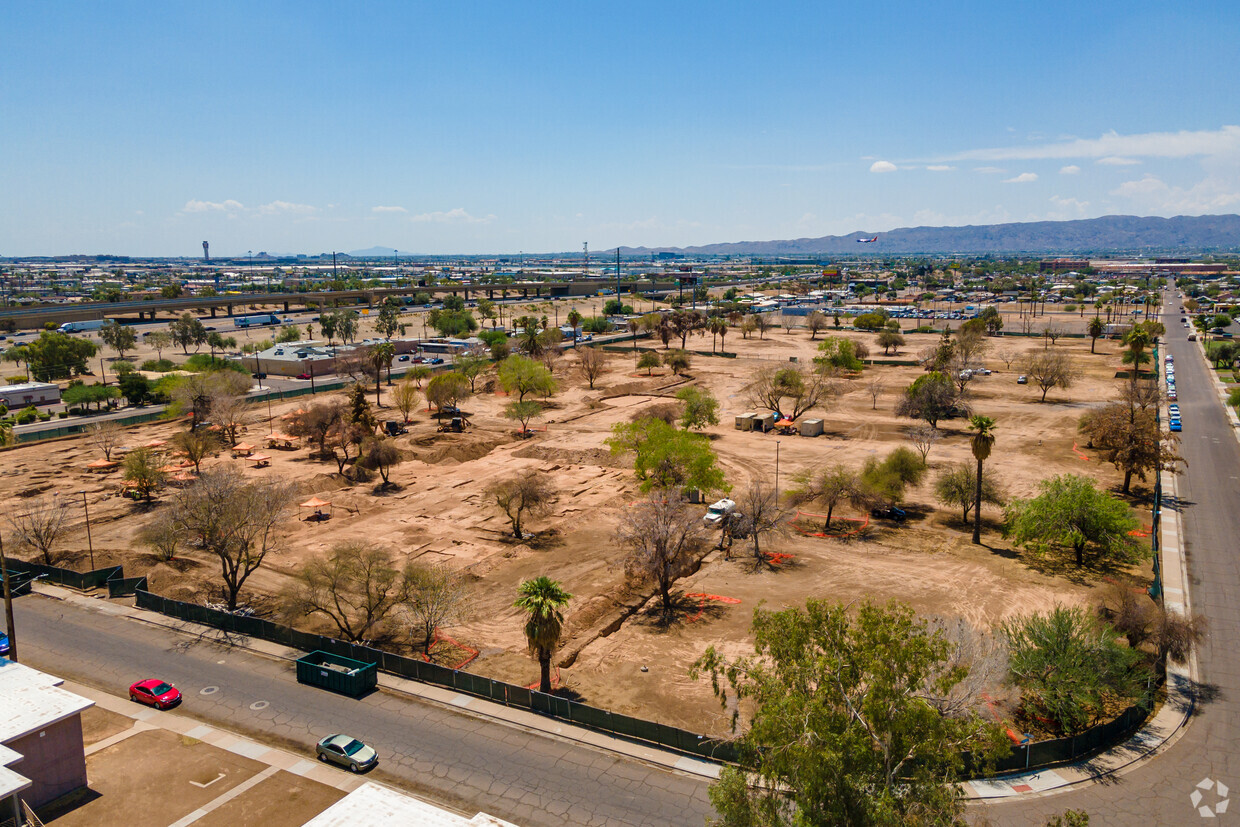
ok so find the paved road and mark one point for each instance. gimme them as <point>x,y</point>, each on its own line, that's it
<point>457,759</point>
<point>1157,793</point>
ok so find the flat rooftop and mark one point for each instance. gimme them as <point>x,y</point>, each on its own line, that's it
<point>373,806</point>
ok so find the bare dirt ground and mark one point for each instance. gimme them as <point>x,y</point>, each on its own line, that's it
<point>439,513</point>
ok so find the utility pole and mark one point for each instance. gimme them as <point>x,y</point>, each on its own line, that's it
<point>8,604</point>
<point>618,274</point>
<point>89,542</point>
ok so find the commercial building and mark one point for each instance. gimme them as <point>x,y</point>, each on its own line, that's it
<point>29,393</point>
<point>42,756</point>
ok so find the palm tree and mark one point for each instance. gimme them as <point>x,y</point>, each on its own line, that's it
<point>717,327</point>
<point>983,441</point>
<point>1095,329</point>
<point>1136,340</point>
<point>543,598</point>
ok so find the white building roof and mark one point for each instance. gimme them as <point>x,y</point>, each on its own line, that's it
<point>373,806</point>
<point>31,700</point>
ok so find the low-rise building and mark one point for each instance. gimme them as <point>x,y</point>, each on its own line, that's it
<point>29,393</point>
<point>42,756</point>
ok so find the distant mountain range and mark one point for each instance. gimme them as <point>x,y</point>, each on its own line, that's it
<point>1109,234</point>
<point>379,252</point>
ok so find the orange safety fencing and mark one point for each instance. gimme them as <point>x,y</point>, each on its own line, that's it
<point>703,597</point>
<point>442,638</point>
<point>555,680</point>
<point>777,558</point>
<point>865,522</point>
<point>1146,531</point>
<point>1079,453</point>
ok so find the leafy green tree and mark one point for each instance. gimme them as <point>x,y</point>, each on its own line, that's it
<point>543,601</point>
<point>829,487</point>
<point>523,412</point>
<point>356,585</point>
<point>885,480</point>
<point>1071,667</point>
<point>471,367</point>
<point>216,341</point>
<point>804,390</point>
<point>187,331</point>
<point>838,353</point>
<point>847,726</point>
<point>957,487</point>
<point>446,389</point>
<point>388,322</point>
<point>523,376</point>
<point>890,341</point>
<point>667,457</point>
<point>119,337</point>
<point>701,408</point>
<point>135,387</point>
<point>932,397</point>
<point>1071,512</point>
<point>141,471</point>
<point>76,396</point>
<point>650,359</point>
<point>360,413</point>
<point>982,441</point>
<point>678,360</point>
<point>992,320</point>
<point>55,355</point>
<point>288,334</point>
<point>596,324</point>
<point>874,320</point>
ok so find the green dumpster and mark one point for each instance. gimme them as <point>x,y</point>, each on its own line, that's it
<point>339,674</point>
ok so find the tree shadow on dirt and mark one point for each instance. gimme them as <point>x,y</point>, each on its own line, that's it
<point>686,608</point>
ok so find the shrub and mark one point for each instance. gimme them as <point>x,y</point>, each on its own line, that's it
<point>27,416</point>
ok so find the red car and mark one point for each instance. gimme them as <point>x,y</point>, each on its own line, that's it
<point>156,693</point>
<point>303,376</point>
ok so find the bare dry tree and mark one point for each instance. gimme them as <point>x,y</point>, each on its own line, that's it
<point>356,585</point>
<point>923,438</point>
<point>875,388</point>
<point>663,537</point>
<point>592,362</point>
<point>105,436</point>
<point>526,495</point>
<point>763,516</point>
<point>234,520</point>
<point>1050,370</point>
<point>162,535</point>
<point>979,657</point>
<point>436,596</point>
<point>1007,355</point>
<point>39,524</point>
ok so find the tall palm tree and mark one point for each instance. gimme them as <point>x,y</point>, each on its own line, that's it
<point>1136,340</point>
<point>543,598</point>
<point>1095,329</point>
<point>983,441</point>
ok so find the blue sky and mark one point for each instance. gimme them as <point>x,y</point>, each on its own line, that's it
<point>144,128</point>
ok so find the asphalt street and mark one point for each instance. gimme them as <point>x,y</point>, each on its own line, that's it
<point>1158,791</point>
<point>460,760</point>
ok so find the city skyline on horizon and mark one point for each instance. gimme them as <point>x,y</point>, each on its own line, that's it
<point>303,127</point>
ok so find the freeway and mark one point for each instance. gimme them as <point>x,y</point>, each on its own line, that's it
<point>1158,791</point>
<point>456,759</point>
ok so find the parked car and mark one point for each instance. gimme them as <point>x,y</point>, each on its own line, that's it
<point>260,376</point>
<point>4,644</point>
<point>1174,410</point>
<point>156,693</point>
<point>404,357</point>
<point>716,513</point>
<point>889,512</point>
<point>346,752</point>
<point>436,361</point>
<point>1175,425</point>
<point>1022,380</point>
<point>303,376</point>
<point>1171,393</point>
<point>1192,337</point>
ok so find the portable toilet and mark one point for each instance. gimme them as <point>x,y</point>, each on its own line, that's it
<point>811,427</point>
<point>764,422</point>
<point>744,422</point>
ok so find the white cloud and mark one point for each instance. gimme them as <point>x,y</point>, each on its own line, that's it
<point>1116,161</point>
<point>1023,178</point>
<point>1184,144</point>
<point>388,209</point>
<point>194,205</point>
<point>455,216</point>
<point>1218,191</point>
<point>882,166</point>
<point>286,207</point>
<point>990,170</point>
<point>1067,208</point>
<point>940,168</point>
<point>1070,169</point>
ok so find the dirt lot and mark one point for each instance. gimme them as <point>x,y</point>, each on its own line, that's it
<point>439,513</point>
<point>282,799</point>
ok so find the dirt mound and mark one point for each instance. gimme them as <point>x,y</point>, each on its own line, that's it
<point>454,448</point>
<point>571,456</point>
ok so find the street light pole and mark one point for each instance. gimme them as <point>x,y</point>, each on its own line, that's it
<point>89,542</point>
<point>8,604</point>
<point>777,473</point>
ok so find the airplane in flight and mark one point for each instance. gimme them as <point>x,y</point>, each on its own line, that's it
<point>867,240</point>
